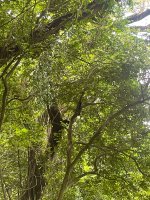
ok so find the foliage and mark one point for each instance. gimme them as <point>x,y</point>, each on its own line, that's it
<point>97,73</point>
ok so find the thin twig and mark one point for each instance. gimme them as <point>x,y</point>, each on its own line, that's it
<point>28,98</point>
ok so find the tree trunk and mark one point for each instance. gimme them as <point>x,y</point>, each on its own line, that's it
<point>36,181</point>
<point>36,167</point>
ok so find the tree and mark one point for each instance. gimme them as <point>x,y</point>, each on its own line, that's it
<point>74,90</point>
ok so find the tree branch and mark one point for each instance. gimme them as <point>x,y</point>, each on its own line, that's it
<point>137,17</point>
<point>4,97</point>
<point>72,120</point>
<point>56,25</point>
<point>41,33</point>
<point>88,145</point>
<point>142,28</point>
<point>69,147</point>
<point>136,163</point>
<point>28,98</point>
<point>81,176</point>
<point>5,92</point>
<point>7,67</point>
<point>24,9</point>
<point>103,126</point>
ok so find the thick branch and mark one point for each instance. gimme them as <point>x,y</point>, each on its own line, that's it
<point>53,27</point>
<point>44,31</point>
<point>138,17</point>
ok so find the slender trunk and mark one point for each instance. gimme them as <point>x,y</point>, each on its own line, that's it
<point>3,185</point>
<point>64,185</point>
<point>36,180</point>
